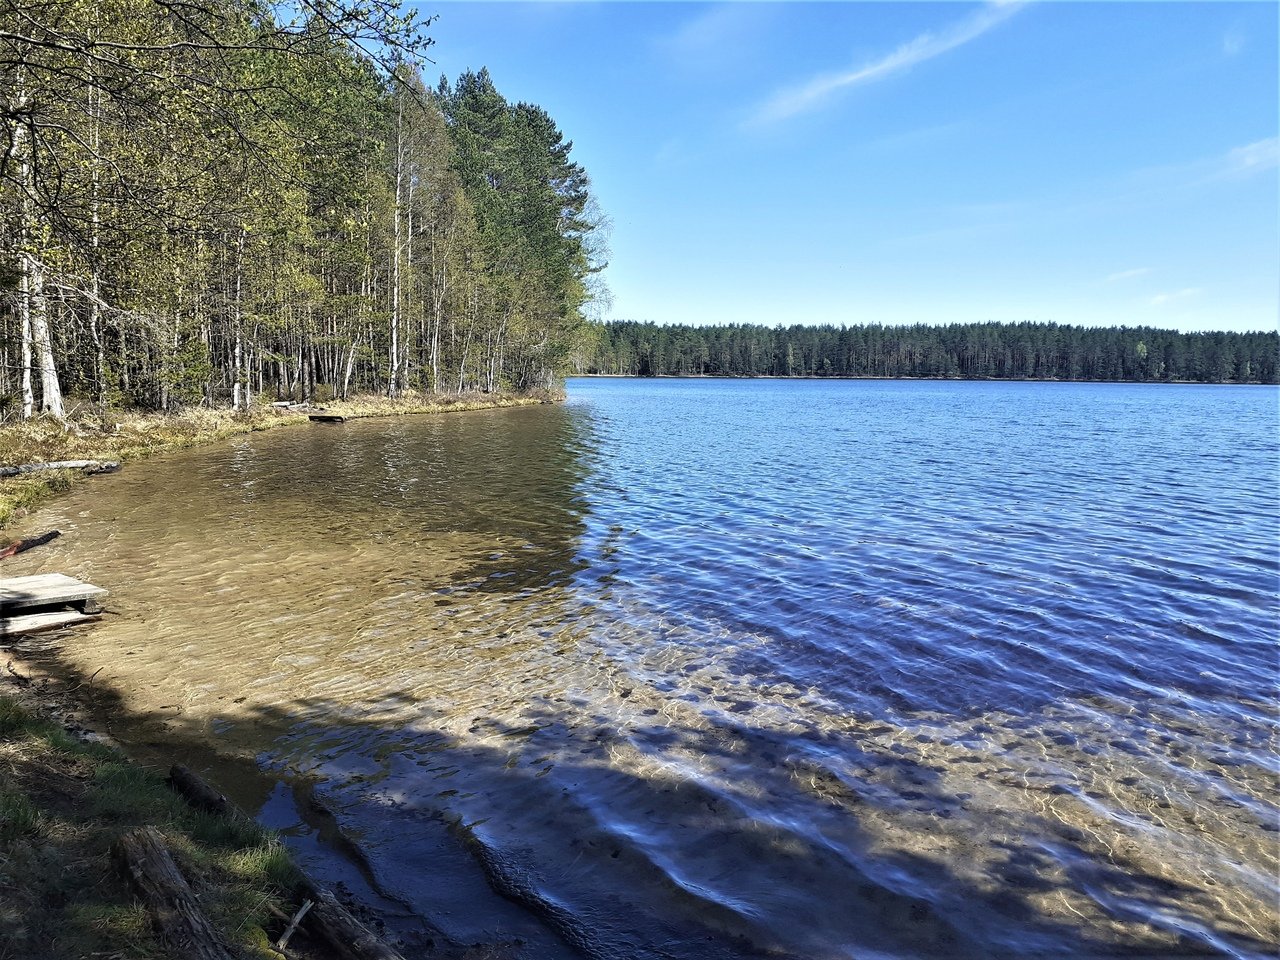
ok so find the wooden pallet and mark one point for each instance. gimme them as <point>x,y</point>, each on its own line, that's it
<point>28,623</point>
<point>47,601</point>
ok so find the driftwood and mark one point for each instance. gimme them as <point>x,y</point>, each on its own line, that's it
<point>22,546</point>
<point>173,907</point>
<point>347,937</point>
<point>200,794</point>
<point>293,925</point>
<point>88,466</point>
<point>327,418</point>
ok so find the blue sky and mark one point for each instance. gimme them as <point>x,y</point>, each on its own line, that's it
<point>1086,163</point>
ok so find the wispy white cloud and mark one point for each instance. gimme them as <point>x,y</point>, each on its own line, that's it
<point>1163,298</point>
<point>818,91</point>
<point>1100,198</point>
<point>718,37</point>
<point>1256,157</point>
<point>1238,163</point>
<point>1232,43</point>
<point>1128,274</point>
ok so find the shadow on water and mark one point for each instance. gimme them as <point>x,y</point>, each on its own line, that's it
<point>546,874</point>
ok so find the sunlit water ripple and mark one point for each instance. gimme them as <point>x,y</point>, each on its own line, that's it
<point>732,669</point>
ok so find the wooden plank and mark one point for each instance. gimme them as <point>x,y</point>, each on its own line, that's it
<point>45,590</point>
<point>26,623</point>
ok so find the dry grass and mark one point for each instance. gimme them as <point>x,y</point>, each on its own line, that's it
<point>415,403</point>
<point>126,436</point>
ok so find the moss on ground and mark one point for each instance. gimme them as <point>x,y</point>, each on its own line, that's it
<point>127,436</point>
<point>64,802</point>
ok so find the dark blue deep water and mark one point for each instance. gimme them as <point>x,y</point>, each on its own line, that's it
<point>961,547</point>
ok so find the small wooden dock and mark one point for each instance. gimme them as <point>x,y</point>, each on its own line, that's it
<point>46,601</point>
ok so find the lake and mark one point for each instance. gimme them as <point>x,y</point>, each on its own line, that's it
<point>713,669</point>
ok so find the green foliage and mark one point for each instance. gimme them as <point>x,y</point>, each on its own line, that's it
<point>278,210</point>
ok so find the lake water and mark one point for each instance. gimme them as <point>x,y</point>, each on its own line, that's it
<point>713,669</point>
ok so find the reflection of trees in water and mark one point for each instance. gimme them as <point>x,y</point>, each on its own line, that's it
<point>499,491</point>
<point>605,887</point>
<point>512,476</point>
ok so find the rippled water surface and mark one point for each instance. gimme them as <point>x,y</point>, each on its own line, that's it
<point>700,669</point>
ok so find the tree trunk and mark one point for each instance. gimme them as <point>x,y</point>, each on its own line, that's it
<point>24,309</point>
<point>95,239</point>
<point>237,387</point>
<point>393,386</point>
<point>50,389</point>
<point>35,306</point>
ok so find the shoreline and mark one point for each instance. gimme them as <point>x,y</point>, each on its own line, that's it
<point>130,437</point>
<point>905,379</point>
<point>71,790</point>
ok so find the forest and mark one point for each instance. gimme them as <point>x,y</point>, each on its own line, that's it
<point>208,201</point>
<point>1021,351</point>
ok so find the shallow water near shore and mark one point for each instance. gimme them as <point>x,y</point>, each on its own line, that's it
<point>730,669</point>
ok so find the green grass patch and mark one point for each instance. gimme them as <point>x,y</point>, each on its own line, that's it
<point>64,803</point>
<point>215,831</point>
<point>126,924</point>
<point>18,816</point>
<point>129,793</point>
<point>266,865</point>
<point>14,718</point>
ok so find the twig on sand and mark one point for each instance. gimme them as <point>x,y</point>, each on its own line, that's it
<point>293,925</point>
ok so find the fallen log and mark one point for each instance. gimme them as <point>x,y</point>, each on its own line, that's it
<point>88,466</point>
<point>199,794</point>
<point>22,546</point>
<point>327,418</point>
<point>295,405</point>
<point>164,891</point>
<point>348,938</point>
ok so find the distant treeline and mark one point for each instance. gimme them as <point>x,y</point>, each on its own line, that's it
<point>1038,351</point>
